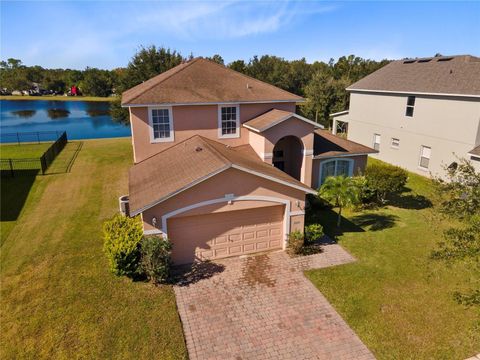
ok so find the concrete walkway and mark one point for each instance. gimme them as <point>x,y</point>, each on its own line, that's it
<point>263,307</point>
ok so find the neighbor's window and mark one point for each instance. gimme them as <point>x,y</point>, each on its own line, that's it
<point>395,143</point>
<point>161,124</point>
<point>425,153</point>
<point>376,142</point>
<point>410,106</point>
<point>229,121</point>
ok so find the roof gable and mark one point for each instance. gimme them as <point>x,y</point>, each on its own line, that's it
<point>202,81</point>
<point>455,75</point>
<point>190,162</point>
<point>274,117</point>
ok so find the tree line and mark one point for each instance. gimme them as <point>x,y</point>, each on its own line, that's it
<point>322,84</point>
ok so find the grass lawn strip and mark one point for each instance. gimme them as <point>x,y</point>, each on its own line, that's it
<point>395,297</point>
<point>58,299</point>
<point>15,151</point>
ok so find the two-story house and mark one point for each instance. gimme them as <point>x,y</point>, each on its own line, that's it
<point>420,114</point>
<point>223,163</point>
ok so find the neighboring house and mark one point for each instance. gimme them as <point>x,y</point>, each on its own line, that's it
<point>223,163</point>
<point>420,114</point>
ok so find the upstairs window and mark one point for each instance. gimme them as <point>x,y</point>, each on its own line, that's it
<point>376,142</point>
<point>161,124</point>
<point>425,153</point>
<point>229,121</point>
<point>410,106</point>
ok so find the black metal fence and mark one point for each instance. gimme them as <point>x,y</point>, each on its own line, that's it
<point>10,167</point>
<point>30,137</point>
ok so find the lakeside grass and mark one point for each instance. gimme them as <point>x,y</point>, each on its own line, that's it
<point>57,98</point>
<point>397,299</point>
<point>16,151</point>
<point>58,299</point>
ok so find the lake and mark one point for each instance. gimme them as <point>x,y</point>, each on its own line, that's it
<point>80,119</point>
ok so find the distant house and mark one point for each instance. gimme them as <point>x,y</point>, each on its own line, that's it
<point>74,90</point>
<point>223,163</point>
<point>420,114</point>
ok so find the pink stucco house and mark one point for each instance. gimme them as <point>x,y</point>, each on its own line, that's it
<point>223,163</point>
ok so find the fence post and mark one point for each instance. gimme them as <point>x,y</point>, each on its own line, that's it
<point>11,167</point>
<point>43,163</point>
<point>18,139</point>
<point>38,137</point>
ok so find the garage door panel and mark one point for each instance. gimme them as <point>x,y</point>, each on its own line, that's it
<point>225,234</point>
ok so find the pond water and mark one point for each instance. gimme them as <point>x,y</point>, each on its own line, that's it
<point>80,119</point>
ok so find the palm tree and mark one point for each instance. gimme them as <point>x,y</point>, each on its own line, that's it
<point>341,191</point>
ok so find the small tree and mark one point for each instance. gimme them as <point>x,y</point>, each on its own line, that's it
<point>121,245</point>
<point>385,179</point>
<point>341,191</point>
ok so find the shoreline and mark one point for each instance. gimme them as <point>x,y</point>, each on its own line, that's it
<point>58,98</point>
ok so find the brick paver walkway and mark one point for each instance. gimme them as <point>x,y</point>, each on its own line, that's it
<point>263,307</point>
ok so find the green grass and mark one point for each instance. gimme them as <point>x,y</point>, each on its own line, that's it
<point>58,299</point>
<point>57,98</point>
<point>395,297</point>
<point>15,151</point>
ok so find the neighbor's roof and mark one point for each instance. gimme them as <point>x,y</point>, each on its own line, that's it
<point>188,163</point>
<point>274,117</point>
<point>328,145</point>
<point>448,75</point>
<point>201,81</point>
<point>475,151</point>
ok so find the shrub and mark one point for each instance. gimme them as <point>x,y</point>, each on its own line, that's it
<point>295,241</point>
<point>313,232</point>
<point>385,179</point>
<point>155,258</point>
<point>122,236</point>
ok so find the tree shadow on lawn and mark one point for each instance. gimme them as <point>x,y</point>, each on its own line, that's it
<point>409,201</point>
<point>14,192</point>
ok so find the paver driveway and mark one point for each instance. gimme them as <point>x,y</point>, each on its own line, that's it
<point>263,307</point>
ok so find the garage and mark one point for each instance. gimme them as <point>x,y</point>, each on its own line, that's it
<point>223,234</point>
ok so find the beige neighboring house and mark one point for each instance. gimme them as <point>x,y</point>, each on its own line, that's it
<point>420,114</point>
<point>223,163</point>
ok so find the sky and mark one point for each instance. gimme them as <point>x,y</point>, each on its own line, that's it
<point>106,34</point>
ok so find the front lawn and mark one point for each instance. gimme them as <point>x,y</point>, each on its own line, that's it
<point>395,297</point>
<point>58,299</point>
<point>15,151</point>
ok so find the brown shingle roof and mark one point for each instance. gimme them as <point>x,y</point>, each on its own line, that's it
<point>328,145</point>
<point>458,75</point>
<point>204,81</point>
<point>475,151</point>
<point>273,117</point>
<point>183,165</point>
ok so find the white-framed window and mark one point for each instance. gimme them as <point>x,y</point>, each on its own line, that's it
<point>335,167</point>
<point>425,153</point>
<point>410,106</point>
<point>161,124</point>
<point>395,143</point>
<point>376,141</point>
<point>228,121</point>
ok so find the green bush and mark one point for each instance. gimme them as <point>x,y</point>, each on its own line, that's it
<point>295,242</point>
<point>313,232</point>
<point>155,258</point>
<point>385,179</point>
<point>122,236</point>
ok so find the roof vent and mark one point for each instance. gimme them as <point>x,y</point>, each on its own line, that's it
<point>198,149</point>
<point>248,86</point>
<point>424,60</point>
<point>411,61</point>
<point>445,59</point>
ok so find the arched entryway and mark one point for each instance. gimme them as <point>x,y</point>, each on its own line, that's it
<point>288,156</point>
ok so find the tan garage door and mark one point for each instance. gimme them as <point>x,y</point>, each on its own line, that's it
<point>224,234</point>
